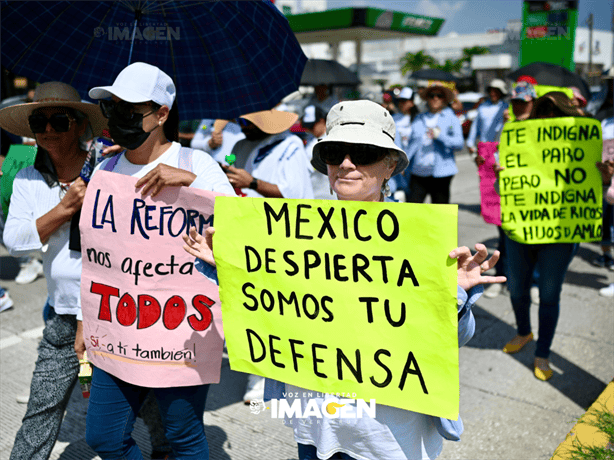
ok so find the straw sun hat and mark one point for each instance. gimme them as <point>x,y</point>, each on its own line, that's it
<point>272,121</point>
<point>14,119</point>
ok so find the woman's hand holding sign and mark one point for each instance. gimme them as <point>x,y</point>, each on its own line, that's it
<point>470,268</point>
<point>164,176</point>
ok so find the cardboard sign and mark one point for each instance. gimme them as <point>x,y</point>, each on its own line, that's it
<point>490,203</point>
<point>149,317</point>
<point>347,297</point>
<point>551,189</point>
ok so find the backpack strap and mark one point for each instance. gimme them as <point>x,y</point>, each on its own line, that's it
<point>112,163</point>
<point>185,158</point>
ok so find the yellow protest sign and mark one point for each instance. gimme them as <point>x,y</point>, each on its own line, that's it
<point>550,188</point>
<point>342,297</point>
<point>540,90</point>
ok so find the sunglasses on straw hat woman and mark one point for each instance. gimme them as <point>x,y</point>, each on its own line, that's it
<point>359,156</point>
<point>141,109</point>
<point>45,198</point>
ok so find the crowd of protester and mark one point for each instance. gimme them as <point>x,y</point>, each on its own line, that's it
<point>406,157</point>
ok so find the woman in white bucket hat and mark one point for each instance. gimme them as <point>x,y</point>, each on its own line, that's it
<point>359,156</point>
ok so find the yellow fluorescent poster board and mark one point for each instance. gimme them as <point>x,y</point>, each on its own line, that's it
<point>550,188</point>
<point>343,297</point>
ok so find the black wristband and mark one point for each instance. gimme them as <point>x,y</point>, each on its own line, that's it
<point>254,184</point>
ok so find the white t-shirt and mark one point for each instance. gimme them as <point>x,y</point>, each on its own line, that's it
<point>284,164</point>
<point>31,199</point>
<point>394,434</point>
<point>209,175</point>
<point>230,136</point>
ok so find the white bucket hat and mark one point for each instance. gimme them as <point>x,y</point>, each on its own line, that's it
<point>14,119</point>
<point>139,82</point>
<point>359,122</point>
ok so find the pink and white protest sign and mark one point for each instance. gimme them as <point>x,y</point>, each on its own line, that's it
<point>490,201</point>
<point>149,317</point>
<point>608,150</point>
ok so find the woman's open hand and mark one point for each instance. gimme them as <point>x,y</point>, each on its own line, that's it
<point>471,267</point>
<point>200,246</point>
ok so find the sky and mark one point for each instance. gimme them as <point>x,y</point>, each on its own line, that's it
<point>476,16</point>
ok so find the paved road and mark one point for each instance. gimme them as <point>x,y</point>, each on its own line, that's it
<point>508,414</point>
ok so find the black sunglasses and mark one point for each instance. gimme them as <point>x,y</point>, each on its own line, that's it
<point>434,95</point>
<point>60,122</point>
<point>122,109</point>
<point>360,154</point>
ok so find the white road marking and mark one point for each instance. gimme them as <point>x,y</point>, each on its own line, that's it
<point>35,333</point>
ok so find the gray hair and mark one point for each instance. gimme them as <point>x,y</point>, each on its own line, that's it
<point>390,161</point>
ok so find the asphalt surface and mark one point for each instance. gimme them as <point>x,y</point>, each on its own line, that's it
<point>508,414</point>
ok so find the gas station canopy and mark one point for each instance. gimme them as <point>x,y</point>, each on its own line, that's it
<point>359,24</point>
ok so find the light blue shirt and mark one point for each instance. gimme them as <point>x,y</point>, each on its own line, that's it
<point>450,138</point>
<point>488,123</point>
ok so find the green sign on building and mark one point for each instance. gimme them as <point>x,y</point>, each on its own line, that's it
<point>548,32</point>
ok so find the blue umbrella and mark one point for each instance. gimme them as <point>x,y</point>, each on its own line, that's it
<point>227,58</point>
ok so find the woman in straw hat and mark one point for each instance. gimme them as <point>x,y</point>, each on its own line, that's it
<point>359,156</point>
<point>435,135</point>
<point>45,198</point>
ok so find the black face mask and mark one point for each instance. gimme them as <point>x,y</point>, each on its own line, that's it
<point>128,133</point>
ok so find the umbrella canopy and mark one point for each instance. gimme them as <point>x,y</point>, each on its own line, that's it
<point>433,74</point>
<point>227,58</point>
<point>552,75</point>
<point>322,71</point>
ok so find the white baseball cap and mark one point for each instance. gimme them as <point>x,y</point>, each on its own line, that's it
<point>139,82</point>
<point>359,122</point>
<point>498,84</point>
<point>406,93</point>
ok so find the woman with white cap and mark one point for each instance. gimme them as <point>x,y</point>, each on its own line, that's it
<point>45,198</point>
<point>435,135</point>
<point>489,121</point>
<point>359,157</point>
<point>143,119</point>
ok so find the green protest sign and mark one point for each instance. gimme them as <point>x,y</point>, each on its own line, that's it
<point>550,188</point>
